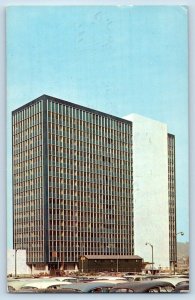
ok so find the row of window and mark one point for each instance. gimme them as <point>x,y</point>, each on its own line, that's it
<point>57,122</point>
<point>70,149</point>
<point>57,110</point>
<point>28,111</point>
<point>35,155</point>
<point>27,128</point>
<point>89,146</point>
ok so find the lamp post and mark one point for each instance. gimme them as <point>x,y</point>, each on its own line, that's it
<point>82,257</point>
<point>159,268</point>
<point>117,258</point>
<point>58,265</point>
<point>175,260</point>
<point>117,263</point>
<point>16,262</point>
<point>152,254</point>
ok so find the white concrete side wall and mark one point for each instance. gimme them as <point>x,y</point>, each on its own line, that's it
<point>150,170</point>
<point>21,267</point>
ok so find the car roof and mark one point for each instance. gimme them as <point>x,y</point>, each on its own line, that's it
<point>158,276</point>
<point>42,284</point>
<point>141,285</point>
<point>61,278</point>
<point>184,286</point>
<point>87,286</point>
<point>17,284</point>
<point>110,278</point>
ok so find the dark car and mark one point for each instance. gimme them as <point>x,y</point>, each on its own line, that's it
<point>89,287</point>
<point>143,287</point>
<point>45,291</point>
<point>182,282</point>
<point>182,288</point>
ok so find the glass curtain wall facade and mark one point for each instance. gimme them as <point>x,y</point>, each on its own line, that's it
<point>27,170</point>
<point>172,199</point>
<point>78,191</point>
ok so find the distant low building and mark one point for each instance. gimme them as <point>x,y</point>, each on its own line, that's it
<point>182,257</point>
<point>149,269</point>
<point>182,264</point>
<point>110,263</point>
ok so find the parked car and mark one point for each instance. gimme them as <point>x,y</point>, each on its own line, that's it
<point>111,278</point>
<point>62,291</point>
<point>65,278</point>
<point>143,287</point>
<point>90,287</point>
<point>134,277</point>
<point>14,285</point>
<point>182,282</point>
<point>182,288</point>
<point>174,280</point>
<point>157,276</point>
<point>42,284</point>
<point>85,278</point>
<point>79,287</point>
<point>181,275</point>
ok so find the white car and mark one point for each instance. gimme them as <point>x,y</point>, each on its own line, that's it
<point>42,284</point>
<point>111,278</point>
<point>65,278</point>
<point>174,280</point>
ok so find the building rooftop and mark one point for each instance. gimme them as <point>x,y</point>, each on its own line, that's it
<point>64,102</point>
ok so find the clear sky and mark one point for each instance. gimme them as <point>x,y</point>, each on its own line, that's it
<point>118,60</point>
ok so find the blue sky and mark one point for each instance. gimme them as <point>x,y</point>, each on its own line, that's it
<point>119,60</point>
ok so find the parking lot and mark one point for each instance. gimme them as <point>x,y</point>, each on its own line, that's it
<point>101,283</point>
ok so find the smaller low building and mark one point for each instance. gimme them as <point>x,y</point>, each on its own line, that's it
<point>149,269</point>
<point>16,263</point>
<point>17,266</point>
<point>110,263</point>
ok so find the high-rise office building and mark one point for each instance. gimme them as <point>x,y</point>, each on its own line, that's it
<point>154,191</point>
<point>89,183</point>
<point>172,201</point>
<point>72,183</point>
